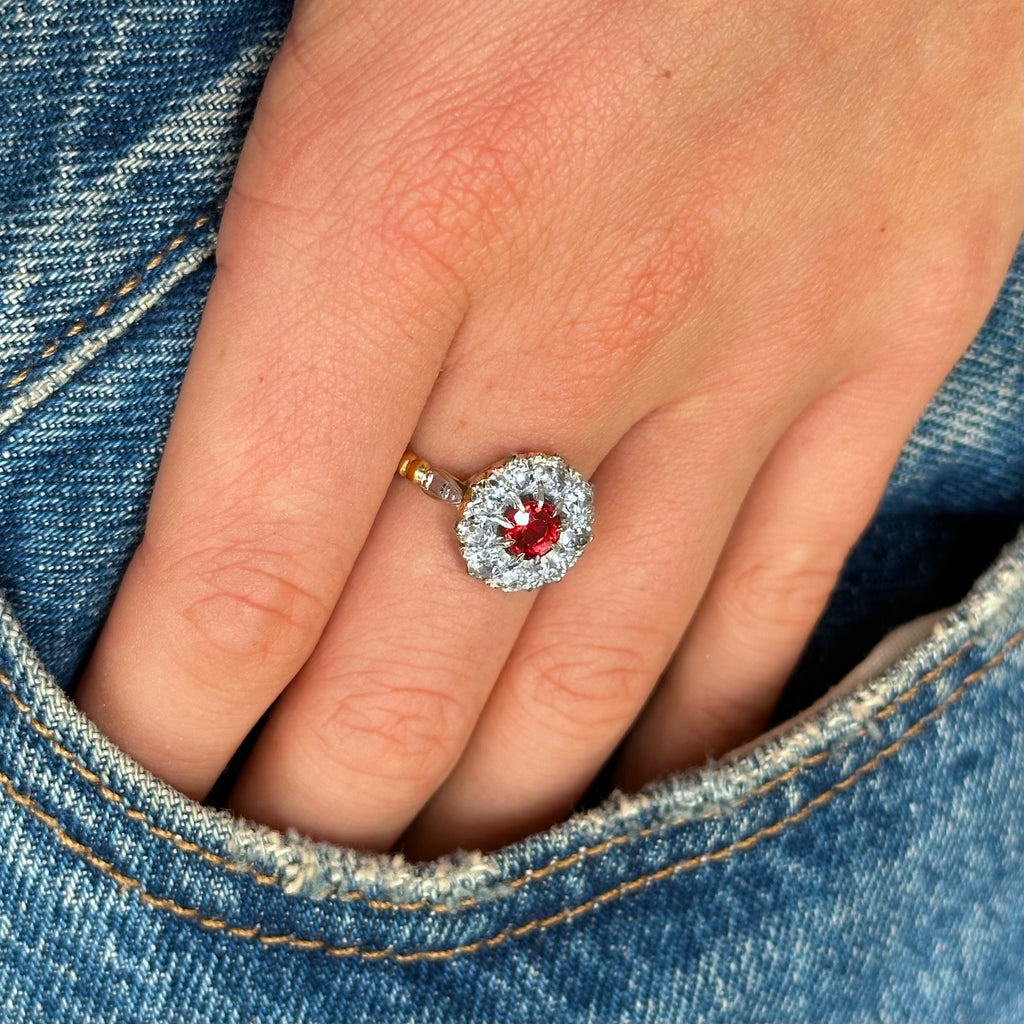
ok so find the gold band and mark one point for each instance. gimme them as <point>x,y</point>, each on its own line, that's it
<point>412,467</point>
<point>435,482</point>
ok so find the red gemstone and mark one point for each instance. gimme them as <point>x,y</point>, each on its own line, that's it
<point>534,529</point>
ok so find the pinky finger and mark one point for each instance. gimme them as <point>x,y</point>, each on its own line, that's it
<point>811,500</point>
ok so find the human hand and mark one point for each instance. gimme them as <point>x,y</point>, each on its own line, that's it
<point>717,256</point>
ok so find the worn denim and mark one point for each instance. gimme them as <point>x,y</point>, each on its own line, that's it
<point>863,861</point>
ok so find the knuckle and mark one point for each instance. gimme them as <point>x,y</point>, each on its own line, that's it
<point>652,282</point>
<point>954,286</point>
<point>406,736</point>
<point>577,688</point>
<point>479,155</point>
<point>623,312</point>
<point>459,205</point>
<point>246,605</point>
<point>783,588</point>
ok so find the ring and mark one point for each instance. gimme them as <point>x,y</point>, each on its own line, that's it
<point>522,522</point>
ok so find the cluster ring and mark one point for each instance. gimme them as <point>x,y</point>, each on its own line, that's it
<point>522,522</point>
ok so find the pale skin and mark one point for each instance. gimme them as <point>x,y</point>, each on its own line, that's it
<point>718,256</point>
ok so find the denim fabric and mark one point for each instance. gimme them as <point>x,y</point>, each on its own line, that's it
<point>863,861</point>
<point>955,498</point>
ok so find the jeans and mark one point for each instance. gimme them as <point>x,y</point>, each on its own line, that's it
<point>863,860</point>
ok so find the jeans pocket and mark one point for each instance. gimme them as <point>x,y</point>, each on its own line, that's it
<point>862,861</point>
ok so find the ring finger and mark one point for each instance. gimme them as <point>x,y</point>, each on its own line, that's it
<point>380,712</point>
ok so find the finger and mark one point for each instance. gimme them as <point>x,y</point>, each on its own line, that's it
<point>381,711</point>
<point>810,501</point>
<point>307,378</point>
<point>593,647</point>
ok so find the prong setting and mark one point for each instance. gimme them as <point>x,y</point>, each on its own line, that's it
<point>493,541</point>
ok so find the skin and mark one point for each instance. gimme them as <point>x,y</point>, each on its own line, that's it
<point>717,256</point>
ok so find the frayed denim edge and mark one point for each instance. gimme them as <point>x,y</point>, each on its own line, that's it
<point>321,870</point>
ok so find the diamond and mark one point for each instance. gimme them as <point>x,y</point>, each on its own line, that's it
<point>525,523</point>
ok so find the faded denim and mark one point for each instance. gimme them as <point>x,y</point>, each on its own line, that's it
<point>863,861</point>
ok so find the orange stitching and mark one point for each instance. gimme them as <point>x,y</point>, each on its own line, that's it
<point>51,346</point>
<point>352,895</point>
<point>766,786</point>
<point>538,924</point>
<point>116,798</point>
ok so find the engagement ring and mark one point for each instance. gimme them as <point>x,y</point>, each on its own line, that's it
<point>521,523</point>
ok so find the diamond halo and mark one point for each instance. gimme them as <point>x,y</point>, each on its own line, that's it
<point>525,522</point>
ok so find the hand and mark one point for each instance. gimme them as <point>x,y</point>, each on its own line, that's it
<point>717,256</point>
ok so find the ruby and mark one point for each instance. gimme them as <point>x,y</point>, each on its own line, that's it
<point>535,528</point>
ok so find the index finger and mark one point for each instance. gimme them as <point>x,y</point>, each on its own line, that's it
<point>317,349</point>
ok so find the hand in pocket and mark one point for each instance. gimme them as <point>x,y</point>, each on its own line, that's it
<point>717,258</point>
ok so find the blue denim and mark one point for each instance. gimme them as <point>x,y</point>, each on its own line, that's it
<point>862,861</point>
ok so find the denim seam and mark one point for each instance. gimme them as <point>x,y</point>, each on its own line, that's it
<point>52,345</point>
<point>537,924</point>
<point>511,885</point>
